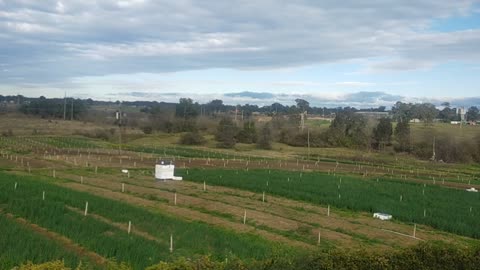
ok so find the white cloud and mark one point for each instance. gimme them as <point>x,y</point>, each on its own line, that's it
<point>24,27</point>
<point>54,41</point>
<point>60,7</point>
<point>202,44</point>
<point>354,84</point>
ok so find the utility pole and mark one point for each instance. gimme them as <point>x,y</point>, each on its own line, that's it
<point>65,106</point>
<point>119,118</point>
<point>433,152</point>
<point>302,120</point>
<point>71,111</point>
<point>308,141</point>
<point>236,112</point>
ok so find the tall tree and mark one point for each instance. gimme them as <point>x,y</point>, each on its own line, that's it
<point>348,129</point>
<point>447,114</point>
<point>248,134</point>
<point>402,111</point>
<point>302,105</point>
<point>473,114</point>
<point>215,106</point>
<point>382,133</point>
<point>226,132</point>
<point>265,137</point>
<point>186,109</point>
<point>402,136</point>
<point>425,112</point>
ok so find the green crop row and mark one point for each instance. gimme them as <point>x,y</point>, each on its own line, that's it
<point>452,210</point>
<point>67,142</point>
<point>186,152</point>
<point>190,238</point>
<point>19,244</point>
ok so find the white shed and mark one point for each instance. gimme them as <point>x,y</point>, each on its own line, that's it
<point>164,170</point>
<point>382,216</point>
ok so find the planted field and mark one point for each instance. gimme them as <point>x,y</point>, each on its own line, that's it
<point>451,210</point>
<point>229,217</point>
<point>19,244</point>
<point>187,152</point>
<point>68,142</point>
<point>104,229</point>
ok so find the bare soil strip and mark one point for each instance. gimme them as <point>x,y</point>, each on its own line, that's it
<point>184,213</point>
<point>123,227</point>
<point>277,213</point>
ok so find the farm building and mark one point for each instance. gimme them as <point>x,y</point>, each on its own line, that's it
<point>164,170</point>
<point>382,216</point>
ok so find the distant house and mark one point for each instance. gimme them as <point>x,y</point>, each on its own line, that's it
<point>415,120</point>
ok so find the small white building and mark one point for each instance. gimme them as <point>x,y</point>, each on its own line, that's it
<point>164,170</point>
<point>472,189</point>
<point>382,216</point>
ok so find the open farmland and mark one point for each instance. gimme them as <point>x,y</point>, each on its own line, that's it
<point>104,230</point>
<point>231,205</point>
<point>409,202</point>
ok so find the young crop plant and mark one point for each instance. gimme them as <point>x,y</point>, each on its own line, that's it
<point>452,210</point>
<point>62,212</point>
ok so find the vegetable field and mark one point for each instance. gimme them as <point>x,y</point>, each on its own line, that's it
<point>19,244</point>
<point>447,209</point>
<point>62,209</point>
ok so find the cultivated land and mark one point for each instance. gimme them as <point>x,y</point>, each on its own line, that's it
<point>244,203</point>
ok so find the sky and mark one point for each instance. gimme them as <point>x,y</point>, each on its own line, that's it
<point>331,53</point>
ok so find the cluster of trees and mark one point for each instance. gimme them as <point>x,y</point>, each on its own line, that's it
<point>228,134</point>
<point>54,108</point>
<point>234,124</point>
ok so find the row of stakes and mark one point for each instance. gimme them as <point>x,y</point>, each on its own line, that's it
<point>175,203</point>
<point>78,151</point>
<point>129,228</point>
<point>247,163</point>
<point>85,213</point>
<point>263,195</point>
<point>244,219</point>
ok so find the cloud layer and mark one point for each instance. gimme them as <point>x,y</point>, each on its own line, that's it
<point>52,41</point>
<point>360,100</point>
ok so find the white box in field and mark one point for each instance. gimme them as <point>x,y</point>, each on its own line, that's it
<point>382,216</point>
<point>164,170</point>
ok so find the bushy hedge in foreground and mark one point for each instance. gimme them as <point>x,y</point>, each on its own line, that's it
<point>424,256</point>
